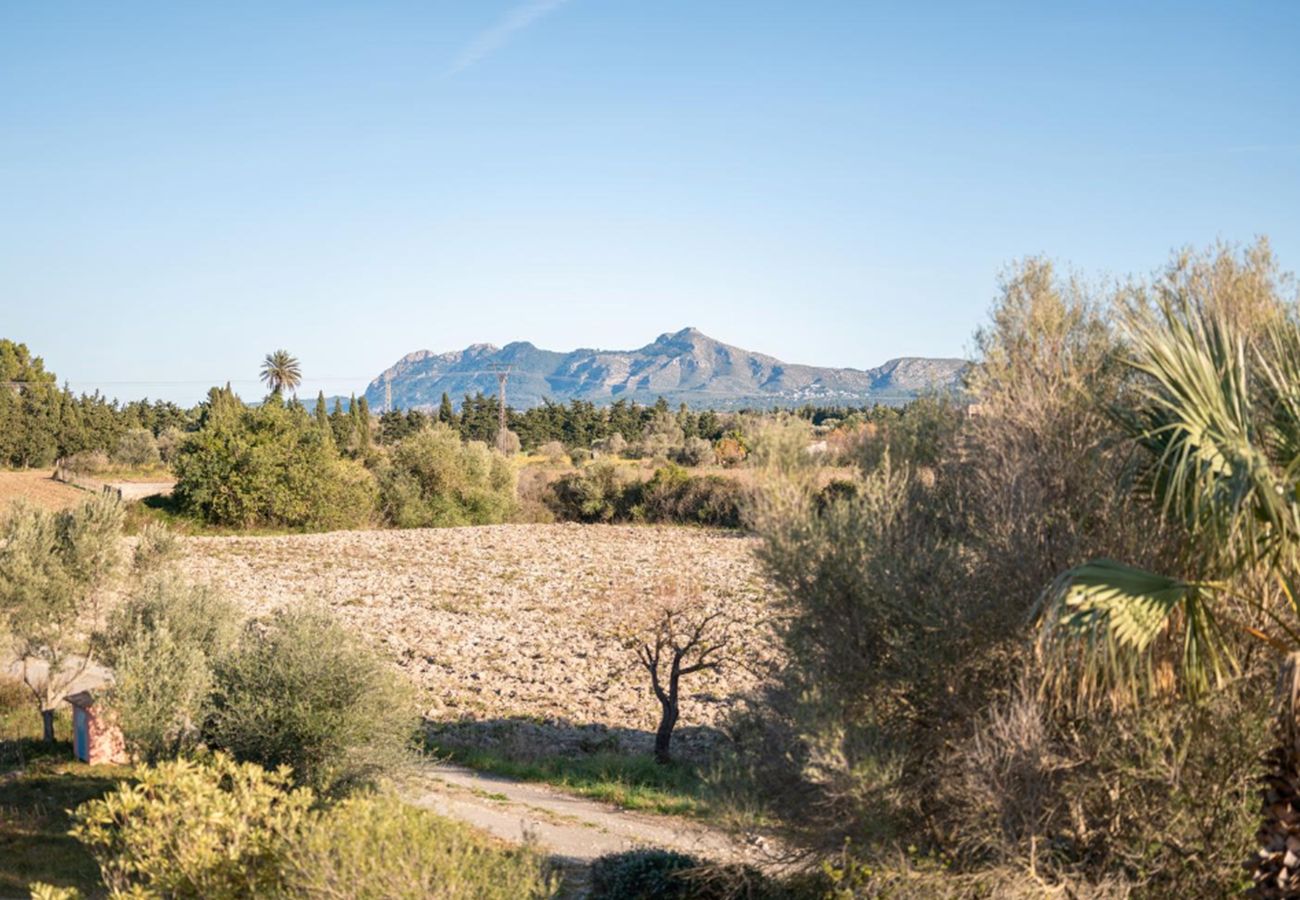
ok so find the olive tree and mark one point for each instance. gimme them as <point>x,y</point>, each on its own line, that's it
<point>55,568</point>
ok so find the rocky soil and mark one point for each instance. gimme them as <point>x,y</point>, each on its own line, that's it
<point>512,630</point>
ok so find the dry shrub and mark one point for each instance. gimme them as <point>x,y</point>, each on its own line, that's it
<point>555,453</point>
<point>906,709</point>
<point>87,462</point>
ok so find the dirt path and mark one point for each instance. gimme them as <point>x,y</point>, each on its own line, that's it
<point>572,829</point>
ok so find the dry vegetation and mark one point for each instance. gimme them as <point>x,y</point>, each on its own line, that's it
<point>514,628</point>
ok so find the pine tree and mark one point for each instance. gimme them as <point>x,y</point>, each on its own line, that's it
<point>445,411</point>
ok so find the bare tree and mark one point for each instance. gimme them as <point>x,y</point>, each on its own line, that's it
<point>682,634</point>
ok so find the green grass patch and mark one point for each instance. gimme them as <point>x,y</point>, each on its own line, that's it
<point>165,510</point>
<point>40,784</point>
<point>35,815</point>
<point>629,782</point>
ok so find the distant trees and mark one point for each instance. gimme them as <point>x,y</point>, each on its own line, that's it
<point>281,371</point>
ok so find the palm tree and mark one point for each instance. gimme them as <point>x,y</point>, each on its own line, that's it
<point>1219,416</point>
<point>281,372</point>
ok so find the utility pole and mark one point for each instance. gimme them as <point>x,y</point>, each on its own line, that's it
<point>502,373</point>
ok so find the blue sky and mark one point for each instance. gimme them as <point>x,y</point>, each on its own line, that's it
<point>186,186</point>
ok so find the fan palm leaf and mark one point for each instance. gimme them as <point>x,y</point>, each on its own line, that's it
<point>1110,628</point>
<point>281,371</point>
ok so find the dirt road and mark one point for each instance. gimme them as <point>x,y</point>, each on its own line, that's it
<point>573,829</point>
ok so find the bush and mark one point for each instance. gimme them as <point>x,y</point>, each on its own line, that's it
<point>695,452</point>
<point>606,492</point>
<point>554,453</point>
<point>507,442</point>
<point>661,436</point>
<point>87,462</point>
<point>730,451</point>
<point>220,830</point>
<point>216,829</point>
<point>162,644</point>
<point>673,495</point>
<point>601,492</point>
<point>137,449</point>
<point>301,691</point>
<point>654,874</point>
<point>436,480</point>
<point>377,847</point>
<point>273,465</point>
<point>169,443</point>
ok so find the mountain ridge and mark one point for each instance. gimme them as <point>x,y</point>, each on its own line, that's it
<point>686,366</point>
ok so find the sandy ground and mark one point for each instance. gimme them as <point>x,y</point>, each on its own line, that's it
<point>39,487</point>
<point>513,630</point>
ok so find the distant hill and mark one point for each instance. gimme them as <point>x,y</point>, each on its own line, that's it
<point>685,367</point>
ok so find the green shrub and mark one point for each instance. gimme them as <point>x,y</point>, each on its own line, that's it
<point>642,875</point>
<point>272,465</point>
<point>653,874</point>
<point>605,492</point>
<point>673,495</point>
<point>374,847</point>
<point>433,479</point>
<point>301,691</point>
<point>600,492</point>
<point>161,644</point>
<point>218,829</point>
<point>137,448</point>
<point>215,829</point>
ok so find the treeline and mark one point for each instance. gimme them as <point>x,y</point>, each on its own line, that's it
<point>581,423</point>
<point>41,422</point>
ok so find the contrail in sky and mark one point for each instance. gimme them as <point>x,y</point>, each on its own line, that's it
<point>496,37</point>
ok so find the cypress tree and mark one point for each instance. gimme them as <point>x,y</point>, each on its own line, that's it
<point>363,421</point>
<point>445,412</point>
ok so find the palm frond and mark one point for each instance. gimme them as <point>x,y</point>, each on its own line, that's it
<point>1111,632</point>
<point>1199,423</point>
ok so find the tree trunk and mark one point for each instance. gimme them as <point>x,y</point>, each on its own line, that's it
<point>1275,869</point>
<point>47,721</point>
<point>664,736</point>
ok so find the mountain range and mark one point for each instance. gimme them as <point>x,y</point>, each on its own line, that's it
<point>685,367</point>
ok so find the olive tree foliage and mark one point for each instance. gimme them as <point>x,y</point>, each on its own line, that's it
<point>55,569</point>
<point>162,643</point>
<point>137,448</point>
<point>661,436</point>
<point>300,690</point>
<point>432,478</point>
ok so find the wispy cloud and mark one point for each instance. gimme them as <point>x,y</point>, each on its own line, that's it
<point>500,34</point>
